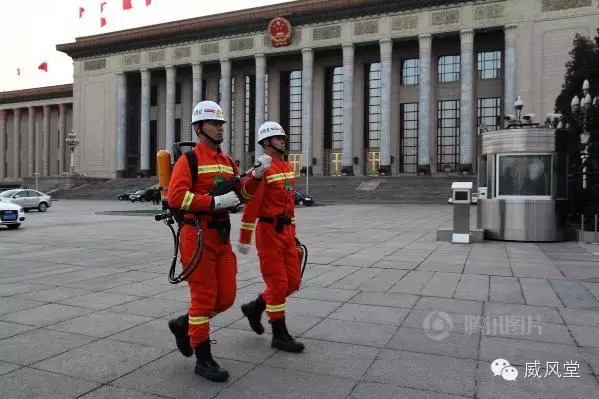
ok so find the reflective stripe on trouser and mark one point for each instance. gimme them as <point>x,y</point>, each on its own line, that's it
<point>212,285</point>
<point>279,264</point>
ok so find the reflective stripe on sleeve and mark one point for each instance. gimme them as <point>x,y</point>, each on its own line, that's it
<point>187,201</point>
<point>246,196</point>
<point>248,226</point>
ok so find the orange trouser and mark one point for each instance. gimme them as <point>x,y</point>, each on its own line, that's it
<point>279,265</point>
<point>212,285</point>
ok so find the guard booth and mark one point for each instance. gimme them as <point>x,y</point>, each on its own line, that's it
<point>522,180</point>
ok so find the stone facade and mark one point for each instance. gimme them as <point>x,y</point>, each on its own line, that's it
<point>128,102</point>
<point>33,128</point>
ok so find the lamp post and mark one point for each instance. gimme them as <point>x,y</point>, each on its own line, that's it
<point>518,105</point>
<point>515,121</point>
<point>581,111</point>
<point>72,142</point>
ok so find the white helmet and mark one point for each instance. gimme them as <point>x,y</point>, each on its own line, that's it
<point>207,111</point>
<point>270,129</point>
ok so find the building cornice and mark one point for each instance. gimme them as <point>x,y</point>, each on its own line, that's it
<point>36,94</point>
<point>301,12</point>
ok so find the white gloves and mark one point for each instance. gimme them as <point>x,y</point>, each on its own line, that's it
<point>244,248</point>
<point>227,200</point>
<point>264,162</point>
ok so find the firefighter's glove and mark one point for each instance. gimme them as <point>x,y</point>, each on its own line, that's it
<point>227,200</point>
<point>244,248</point>
<point>262,163</point>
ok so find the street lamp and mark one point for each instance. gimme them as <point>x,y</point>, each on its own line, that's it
<point>516,120</point>
<point>581,111</point>
<point>72,142</point>
<point>518,105</point>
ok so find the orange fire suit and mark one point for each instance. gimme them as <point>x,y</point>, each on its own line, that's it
<point>277,251</point>
<point>212,285</point>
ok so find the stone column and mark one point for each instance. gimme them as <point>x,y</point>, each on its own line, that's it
<point>62,127</point>
<point>144,141</point>
<point>307,72</point>
<point>2,142</point>
<point>238,131</point>
<point>16,128</point>
<point>260,98</point>
<point>197,71</point>
<point>510,68</point>
<point>171,74</point>
<point>121,124</point>
<point>30,140</point>
<point>386,49</point>
<point>424,111</point>
<point>467,101</point>
<point>225,76</point>
<point>46,142</point>
<point>347,168</point>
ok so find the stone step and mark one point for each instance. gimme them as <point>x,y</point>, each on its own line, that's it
<point>324,189</point>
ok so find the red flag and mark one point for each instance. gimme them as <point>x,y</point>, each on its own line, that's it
<point>81,11</point>
<point>102,4</point>
<point>43,66</point>
<point>102,21</point>
<point>127,5</point>
<point>18,71</point>
<point>148,2</point>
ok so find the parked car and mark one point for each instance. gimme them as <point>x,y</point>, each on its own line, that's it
<point>151,194</point>
<point>27,199</point>
<point>137,196</point>
<point>11,215</point>
<point>303,199</point>
<point>125,196</point>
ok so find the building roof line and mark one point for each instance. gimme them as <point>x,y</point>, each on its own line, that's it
<point>37,93</point>
<point>298,12</point>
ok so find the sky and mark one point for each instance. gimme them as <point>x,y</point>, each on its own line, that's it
<point>31,29</point>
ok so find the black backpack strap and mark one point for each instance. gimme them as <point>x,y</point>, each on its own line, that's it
<point>193,166</point>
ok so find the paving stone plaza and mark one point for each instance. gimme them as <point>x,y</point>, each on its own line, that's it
<point>384,309</point>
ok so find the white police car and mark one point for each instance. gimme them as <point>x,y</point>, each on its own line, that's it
<point>11,215</point>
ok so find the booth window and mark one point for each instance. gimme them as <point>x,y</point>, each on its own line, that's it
<point>524,175</point>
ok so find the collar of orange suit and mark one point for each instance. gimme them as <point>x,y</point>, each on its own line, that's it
<point>203,147</point>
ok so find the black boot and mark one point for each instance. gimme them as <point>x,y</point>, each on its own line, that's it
<point>253,311</point>
<point>180,328</point>
<point>206,366</point>
<point>281,338</point>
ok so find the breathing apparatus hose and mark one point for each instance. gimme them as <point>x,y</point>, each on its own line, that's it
<point>188,269</point>
<point>304,259</point>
